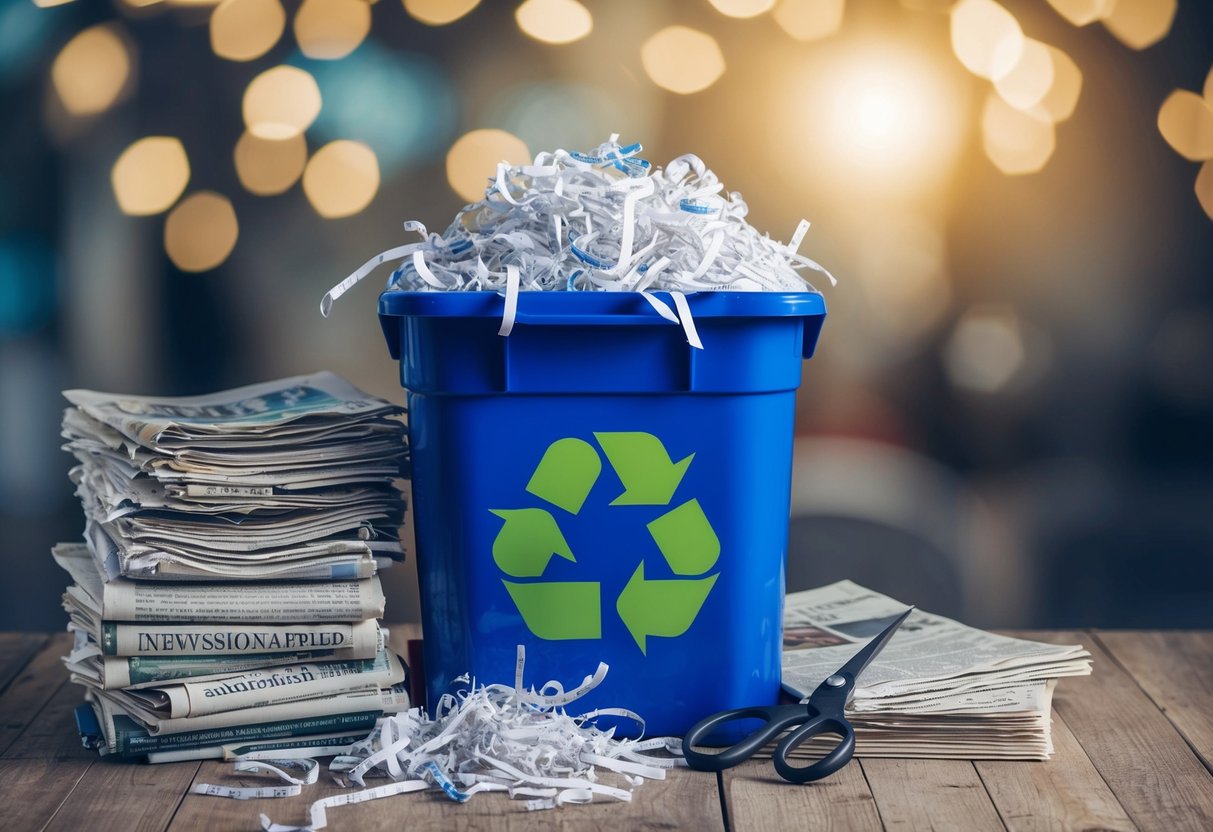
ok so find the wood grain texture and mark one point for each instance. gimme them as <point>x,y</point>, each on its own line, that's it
<point>22,702</point>
<point>115,796</point>
<point>1064,793</point>
<point>1175,669</point>
<point>31,791</point>
<point>53,735</point>
<point>757,798</point>
<point>685,800</point>
<point>930,794</point>
<point>1156,777</point>
<point>16,651</point>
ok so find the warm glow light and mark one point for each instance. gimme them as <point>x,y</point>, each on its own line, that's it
<point>341,178</point>
<point>810,19</point>
<point>1204,188</point>
<point>1015,141</point>
<point>554,21</point>
<point>1209,86</point>
<point>1061,99</point>
<point>1186,122</point>
<point>742,8</point>
<point>1082,12</point>
<point>201,232</point>
<point>47,4</point>
<point>682,60</point>
<point>439,12</point>
<point>875,117</point>
<point>1140,23</point>
<point>1030,80</point>
<point>986,38</point>
<point>281,102</point>
<point>472,160</point>
<point>331,29</point>
<point>91,71</point>
<point>150,175</point>
<point>268,167</point>
<point>242,30</point>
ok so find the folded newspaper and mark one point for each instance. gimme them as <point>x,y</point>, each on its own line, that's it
<point>939,689</point>
<point>225,595</point>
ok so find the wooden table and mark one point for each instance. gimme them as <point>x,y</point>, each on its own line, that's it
<point>1134,751</point>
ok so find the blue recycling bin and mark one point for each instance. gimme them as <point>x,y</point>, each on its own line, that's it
<point>595,489</point>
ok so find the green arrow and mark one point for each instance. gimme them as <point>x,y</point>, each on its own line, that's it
<point>686,538</point>
<point>527,542</point>
<point>565,475</point>
<point>649,477</point>
<point>661,608</point>
<point>559,609</point>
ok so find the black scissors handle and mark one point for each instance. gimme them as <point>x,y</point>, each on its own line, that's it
<point>827,765</point>
<point>775,718</point>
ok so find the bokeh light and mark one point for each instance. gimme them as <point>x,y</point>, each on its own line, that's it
<point>150,175</point>
<point>281,102</point>
<point>554,21</point>
<point>1186,122</point>
<point>269,166</point>
<point>1082,12</point>
<point>1030,80</point>
<point>242,30</point>
<point>439,12</point>
<point>1208,90</point>
<point>1061,99</point>
<point>1204,188</point>
<point>992,349</point>
<point>808,20</point>
<point>742,8</point>
<point>682,60</point>
<point>422,118</point>
<point>1140,23</point>
<point>331,29</point>
<point>48,4</point>
<point>1015,141</point>
<point>201,231</point>
<point>986,38</point>
<point>341,178</point>
<point>472,160</point>
<point>92,70</point>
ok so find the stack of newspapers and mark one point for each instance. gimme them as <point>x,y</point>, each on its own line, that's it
<point>226,597</point>
<point>939,689</point>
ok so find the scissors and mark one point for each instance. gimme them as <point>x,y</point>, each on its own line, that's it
<point>820,713</point>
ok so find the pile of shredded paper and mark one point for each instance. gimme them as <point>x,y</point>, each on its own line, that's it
<point>485,738</point>
<point>599,221</point>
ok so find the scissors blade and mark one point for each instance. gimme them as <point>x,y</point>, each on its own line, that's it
<point>859,662</point>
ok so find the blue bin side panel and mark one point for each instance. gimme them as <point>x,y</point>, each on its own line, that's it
<point>476,453</point>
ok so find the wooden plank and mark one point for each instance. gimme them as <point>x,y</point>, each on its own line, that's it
<point>930,794</point>
<point>685,800</point>
<point>758,798</point>
<point>1159,781</point>
<point>1175,669</point>
<point>52,735</point>
<point>31,791</point>
<point>33,687</point>
<point>1064,793</point>
<point>16,651</point>
<point>116,796</point>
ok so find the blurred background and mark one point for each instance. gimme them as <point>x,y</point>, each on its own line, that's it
<point>1008,416</point>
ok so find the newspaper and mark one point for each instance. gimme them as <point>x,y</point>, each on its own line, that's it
<point>287,480</point>
<point>938,689</point>
<point>126,600</point>
<point>264,686</point>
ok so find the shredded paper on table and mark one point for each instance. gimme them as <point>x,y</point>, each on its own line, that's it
<point>599,221</point>
<point>487,738</point>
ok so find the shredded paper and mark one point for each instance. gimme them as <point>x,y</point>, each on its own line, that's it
<point>599,221</point>
<point>485,738</point>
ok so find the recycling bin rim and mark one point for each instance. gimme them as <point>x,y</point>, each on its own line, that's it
<point>603,308</point>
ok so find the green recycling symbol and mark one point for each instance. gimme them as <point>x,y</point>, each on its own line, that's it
<point>531,537</point>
